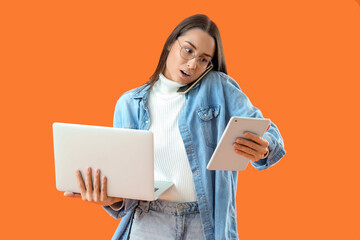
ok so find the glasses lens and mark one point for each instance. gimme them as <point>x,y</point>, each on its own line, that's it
<point>203,62</point>
<point>187,53</point>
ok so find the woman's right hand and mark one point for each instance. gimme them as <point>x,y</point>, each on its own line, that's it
<point>91,191</point>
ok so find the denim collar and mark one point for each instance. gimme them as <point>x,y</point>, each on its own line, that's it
<point>144,90</point>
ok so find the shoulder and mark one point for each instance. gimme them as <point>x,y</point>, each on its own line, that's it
<point>132,95</point>
<point>219,79</point>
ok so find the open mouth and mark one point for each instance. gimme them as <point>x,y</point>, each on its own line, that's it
<point>186,74</point>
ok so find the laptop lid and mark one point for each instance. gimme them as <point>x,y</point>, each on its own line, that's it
<point>124,156</point>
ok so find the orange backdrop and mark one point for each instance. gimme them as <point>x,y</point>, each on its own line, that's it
<point>298,61</point>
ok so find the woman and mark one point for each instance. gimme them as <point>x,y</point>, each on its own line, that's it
<point>187,118</point>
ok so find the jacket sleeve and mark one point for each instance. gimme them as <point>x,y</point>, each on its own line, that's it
<point>240,105</point>
<point>128,206</point>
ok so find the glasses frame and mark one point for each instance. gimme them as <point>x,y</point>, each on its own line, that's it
<point>193,56</point>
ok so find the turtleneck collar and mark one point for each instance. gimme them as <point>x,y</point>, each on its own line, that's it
<point>165,87</point>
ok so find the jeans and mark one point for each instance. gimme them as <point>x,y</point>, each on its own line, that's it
<point>167,220</point>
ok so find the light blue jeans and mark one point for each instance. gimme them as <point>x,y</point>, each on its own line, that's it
<point>167,220</point>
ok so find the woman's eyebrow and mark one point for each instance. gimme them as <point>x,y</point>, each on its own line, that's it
<point>191,44</point>
<point>195,49</point>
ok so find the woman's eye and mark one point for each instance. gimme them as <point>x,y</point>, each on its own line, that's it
<point>204,60</point>
<point>188,50</point>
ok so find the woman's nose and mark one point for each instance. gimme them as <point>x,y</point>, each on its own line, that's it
<point>192,63</point>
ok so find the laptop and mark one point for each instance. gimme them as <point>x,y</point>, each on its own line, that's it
<point>124,156</point>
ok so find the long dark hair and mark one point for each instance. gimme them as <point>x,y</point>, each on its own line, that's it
<point>202,22</point>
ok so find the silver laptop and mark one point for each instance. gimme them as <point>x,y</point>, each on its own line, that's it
<point>124,156</point>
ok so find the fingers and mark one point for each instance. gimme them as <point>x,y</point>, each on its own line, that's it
<point>103,194</point>
<point>87,192</point>
<point>256,138</point>
<point>245,154</point>
<point>81,184</point>
<point>72,195</point>
<point>253,148</point>
<point>86,189</point>
<point>249,147</point>
<point>88,184</point>
<point>96,192</point>
<point>248,150</point>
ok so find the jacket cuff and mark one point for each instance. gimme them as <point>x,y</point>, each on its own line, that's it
<point>126,206</point>
<point>276,152</point>
<point>117,206</point>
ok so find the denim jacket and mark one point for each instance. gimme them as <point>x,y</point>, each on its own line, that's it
<point>209,106</point>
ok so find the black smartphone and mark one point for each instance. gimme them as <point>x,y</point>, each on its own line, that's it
<point>186,88</point>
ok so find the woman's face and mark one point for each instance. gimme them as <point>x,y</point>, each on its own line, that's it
<point>182,70</point>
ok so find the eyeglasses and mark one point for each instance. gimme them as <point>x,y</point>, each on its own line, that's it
<point>188,53</point>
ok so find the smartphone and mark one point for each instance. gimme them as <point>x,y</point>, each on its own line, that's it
<point>186,88</point>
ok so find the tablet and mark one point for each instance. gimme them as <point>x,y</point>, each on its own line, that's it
<point>224,156</point>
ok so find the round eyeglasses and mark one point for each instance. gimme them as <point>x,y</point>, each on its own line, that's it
<point>188,53</point>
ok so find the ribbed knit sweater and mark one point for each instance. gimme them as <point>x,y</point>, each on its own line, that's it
<point>171,162</point>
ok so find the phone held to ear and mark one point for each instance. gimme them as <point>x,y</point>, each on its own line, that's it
<point>185,89</point>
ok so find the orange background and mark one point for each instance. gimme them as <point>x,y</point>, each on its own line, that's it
<point>298,61</point>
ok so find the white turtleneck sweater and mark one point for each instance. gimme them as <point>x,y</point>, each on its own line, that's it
<point>171,162</point>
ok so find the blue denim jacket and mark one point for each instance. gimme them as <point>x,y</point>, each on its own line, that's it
<point>209,106</point>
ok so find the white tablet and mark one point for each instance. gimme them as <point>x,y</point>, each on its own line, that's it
<point>224,156</point>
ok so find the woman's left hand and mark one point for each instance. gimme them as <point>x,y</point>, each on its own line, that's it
<point>253,148</point>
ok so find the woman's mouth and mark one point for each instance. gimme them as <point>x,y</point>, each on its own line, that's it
<point>185,74</point>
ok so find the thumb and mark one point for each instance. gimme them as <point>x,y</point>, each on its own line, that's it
<point>71,194</point>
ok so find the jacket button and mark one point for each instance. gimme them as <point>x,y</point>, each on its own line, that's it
<point>190,150</point>
<point>201,198</point>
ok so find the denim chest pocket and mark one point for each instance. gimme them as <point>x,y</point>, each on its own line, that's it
<point>208,116</point>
